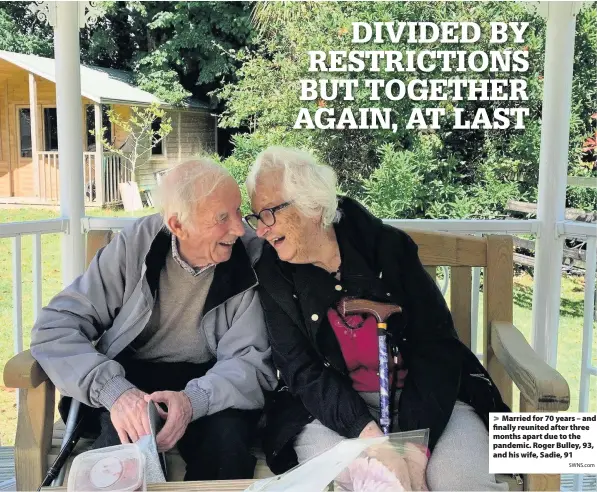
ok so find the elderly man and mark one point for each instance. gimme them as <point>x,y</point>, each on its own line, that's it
<point>168,312</point>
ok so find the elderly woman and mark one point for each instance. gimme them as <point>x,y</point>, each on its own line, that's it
<point>320,248</point>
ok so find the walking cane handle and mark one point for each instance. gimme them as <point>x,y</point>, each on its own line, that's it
<point>381,310</point>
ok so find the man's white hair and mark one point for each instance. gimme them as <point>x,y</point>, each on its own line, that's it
<point>187,184</point>
<point>309,185</point>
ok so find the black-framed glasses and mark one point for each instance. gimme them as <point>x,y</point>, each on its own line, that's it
<point>267,216</point>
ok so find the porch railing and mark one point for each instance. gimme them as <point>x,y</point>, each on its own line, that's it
<point>586,232</point>
<point>16,231</point>
<point>49,176</point>
<point>567,229</point>
<point>114,171</point>
<point>89,163</point>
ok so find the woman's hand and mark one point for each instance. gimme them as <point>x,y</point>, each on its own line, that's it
<point>371,430</point>
<point>393,461</point>
<point>410,467</point>
<point>416,457</point>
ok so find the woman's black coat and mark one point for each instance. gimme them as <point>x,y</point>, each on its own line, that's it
<point>381,261</point>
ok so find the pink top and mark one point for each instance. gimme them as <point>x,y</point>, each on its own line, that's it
<point>359,346</point>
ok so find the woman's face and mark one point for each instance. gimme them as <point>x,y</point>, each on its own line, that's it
<point>292,231</point>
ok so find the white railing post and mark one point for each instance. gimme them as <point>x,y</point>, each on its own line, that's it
<point>555,130</point>
<point>17,295</point>
<point>37,275</point>
<point>70,122</point>
<point>17,300</point>
<point>99,154</point>
<point>587,339</point>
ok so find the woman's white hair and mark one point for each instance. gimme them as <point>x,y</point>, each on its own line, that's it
<point>187,184</point>
<point>309,185</point>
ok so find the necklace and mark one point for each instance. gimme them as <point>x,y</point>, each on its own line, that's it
<point>347,325</point>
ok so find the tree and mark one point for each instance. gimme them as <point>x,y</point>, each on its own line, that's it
<point>469,173</point>
<point>145,129</point>
<point>172,47</point>
<point>21,32</point>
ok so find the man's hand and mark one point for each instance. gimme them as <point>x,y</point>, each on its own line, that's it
<point>129,416</point>
<point>178,417</point>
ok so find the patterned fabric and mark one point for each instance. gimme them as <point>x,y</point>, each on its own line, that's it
<point>357,336</point>
<point>192,270</point>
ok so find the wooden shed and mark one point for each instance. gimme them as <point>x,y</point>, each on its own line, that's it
<point>29,139</point>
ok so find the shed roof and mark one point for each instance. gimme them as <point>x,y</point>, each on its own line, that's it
<point>101,85</point>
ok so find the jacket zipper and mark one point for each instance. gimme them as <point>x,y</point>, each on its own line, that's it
<point>216,307</point>
<point>481,376</point>
<point>133,323</point>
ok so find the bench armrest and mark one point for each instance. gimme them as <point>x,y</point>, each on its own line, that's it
<point>24,372</point>
<point>541,385</point>
<point>35,416</point>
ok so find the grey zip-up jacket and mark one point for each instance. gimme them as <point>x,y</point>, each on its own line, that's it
<point>84,327</point>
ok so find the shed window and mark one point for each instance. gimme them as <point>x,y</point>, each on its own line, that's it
<point>157,147</point>
<point>50,129</point>
<point>90,122</point>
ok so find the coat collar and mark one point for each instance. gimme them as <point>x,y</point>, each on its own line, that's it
<point>231,277</point>
<point>360,229</point>
<point>194,271</point>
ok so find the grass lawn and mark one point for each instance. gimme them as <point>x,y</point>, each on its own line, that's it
<point>569,346</point>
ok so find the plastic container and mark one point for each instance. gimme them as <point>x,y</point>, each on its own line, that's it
<point>108,469</point>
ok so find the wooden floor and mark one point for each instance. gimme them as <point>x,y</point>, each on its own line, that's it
<point>7,468</point>
<point>589,483</point>
<point>7,475</point>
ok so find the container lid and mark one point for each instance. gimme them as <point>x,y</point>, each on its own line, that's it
<point>108,469</point>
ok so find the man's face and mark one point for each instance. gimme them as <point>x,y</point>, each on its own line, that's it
<point>214,227</point>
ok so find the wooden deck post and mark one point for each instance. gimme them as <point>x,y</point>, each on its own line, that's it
<point>34,125</point>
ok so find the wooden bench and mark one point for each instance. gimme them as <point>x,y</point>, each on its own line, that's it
<point>506,353</point>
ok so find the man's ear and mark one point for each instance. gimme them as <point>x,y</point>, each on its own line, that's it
<point>176,227</point>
